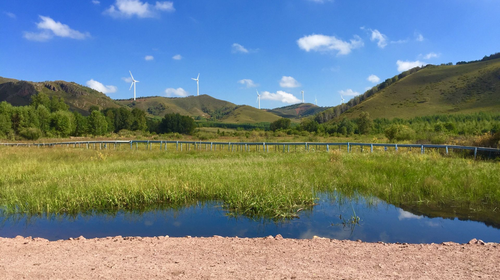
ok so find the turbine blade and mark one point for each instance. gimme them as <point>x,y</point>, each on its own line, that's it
<point>198,76</point>
<point>131,75</point>
<point>131,85</point>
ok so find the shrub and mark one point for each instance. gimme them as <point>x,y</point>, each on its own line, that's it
<point>30,133</point>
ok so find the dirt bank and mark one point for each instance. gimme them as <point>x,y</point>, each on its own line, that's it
<point>242,258</point>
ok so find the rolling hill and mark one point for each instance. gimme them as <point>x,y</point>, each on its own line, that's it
<point>297,111</point>
<point>78,97</point>
<point>200,106</point>
<point>429,90</point>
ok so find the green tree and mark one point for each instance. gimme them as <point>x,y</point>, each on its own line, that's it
<point>139,122</point>
<point>57,104</point>
<point>44,118</point>
<point>97,123</point>
<point>40,99</point>
<point>62,123</point>
<point>282,123</point>
<point>81,124</point>
<point>365,123</point>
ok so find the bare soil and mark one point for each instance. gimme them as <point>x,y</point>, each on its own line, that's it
<point>243,258</point>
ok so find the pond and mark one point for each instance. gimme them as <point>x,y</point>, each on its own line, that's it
<point>331,218</point>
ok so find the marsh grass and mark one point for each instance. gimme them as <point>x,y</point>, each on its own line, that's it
<point>272,185</point>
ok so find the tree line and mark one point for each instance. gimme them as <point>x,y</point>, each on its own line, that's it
<point>50,117</point>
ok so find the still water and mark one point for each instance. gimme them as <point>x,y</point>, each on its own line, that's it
<point>379,221</point>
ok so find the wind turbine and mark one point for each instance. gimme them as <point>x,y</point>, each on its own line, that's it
<point>302,96</point>
<point>258,98</point>
<point>133,83</point>
<point>197,84</point>
<point>315,100</point>
<point>341,97</point>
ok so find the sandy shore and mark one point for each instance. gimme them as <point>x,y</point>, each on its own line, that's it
<point>242,258</point>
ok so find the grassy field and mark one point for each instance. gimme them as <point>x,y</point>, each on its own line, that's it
<point>271,185</point>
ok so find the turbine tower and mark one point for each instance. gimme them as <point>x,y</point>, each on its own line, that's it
<point>133,83</point>
<point>302,96</point>
<point>197,84</point>
<point>258,98</point>
<point>316,100</point>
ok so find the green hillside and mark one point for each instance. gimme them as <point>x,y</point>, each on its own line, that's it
<point>248,114</point>
<point>78,97</point>
<point>297,111</point>
<point>430,90</point>
<point>203,105</point>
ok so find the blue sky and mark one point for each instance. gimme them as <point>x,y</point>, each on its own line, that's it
<point>280,47</point>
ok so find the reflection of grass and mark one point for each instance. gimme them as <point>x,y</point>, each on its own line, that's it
<point>271,185</point>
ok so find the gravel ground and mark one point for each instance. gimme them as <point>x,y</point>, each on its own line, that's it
<point>243,258</point>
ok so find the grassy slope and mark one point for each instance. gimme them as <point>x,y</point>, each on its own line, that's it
<point>78,97</point>
<point>434,90</point>
<point>201,105</point>
<point>248,114</point>
<point>297,111</point>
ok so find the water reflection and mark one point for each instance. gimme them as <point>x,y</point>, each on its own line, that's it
<point>378,222</point>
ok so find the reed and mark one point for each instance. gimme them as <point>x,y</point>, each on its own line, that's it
<point>255,184</point>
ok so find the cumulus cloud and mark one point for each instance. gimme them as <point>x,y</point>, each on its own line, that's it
<point>130,8</point>
<point>289,82</point>
<point>407,65</point>
<point>280,96</point>
<point>248,83</point>
<point>149,58</point>
<point>323,43</point>
<point>50,28</point>
<point>373,78</point>
<point>96,2</point>
<point>430,55</point>
<point>93,84</point>
<point>375,35</point>
<point>237,48</point>
<point>176,92</point>
<point>348,92</point>
<point>177,57</point>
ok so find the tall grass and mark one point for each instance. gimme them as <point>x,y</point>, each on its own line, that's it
<point>274,185</point>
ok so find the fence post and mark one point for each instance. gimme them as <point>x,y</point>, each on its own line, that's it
<point>396,147</point>
<point>161,144</point>
<point>475,153</point>
<point>422,149</point>
<point>371,148</point>
<point>348,147</point>
<point>327,148</point>
<point>446,149</point>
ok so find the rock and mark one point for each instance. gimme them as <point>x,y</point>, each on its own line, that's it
<point>448,243</point>
<point>480,242</point>
<point>472,241</point>
<point>279,237</point>
<point>80,238</point>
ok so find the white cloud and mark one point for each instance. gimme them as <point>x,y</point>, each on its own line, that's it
<point>379,37</point>
<point>149,58</point>
<point>96,2</point>
<point>407,215</point>
<point>177,57</point>
<point>280,96</point>
<point>11,15</point>
<point>51,28</point>
<point>407,65</point>
<point>179,92</point>
<point>419,37</point>
<point>400,41</point>
<point>323,43</point>
<point>165,6</point>
<point>373,78</point>
<point>237,48</point>
<point>100,87</point>
<point>127,79</point>
<point>348,92</point>
<point>248,83</point>
<point>130,8</point>
<point>289,82</point>
<point>430,55</point>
